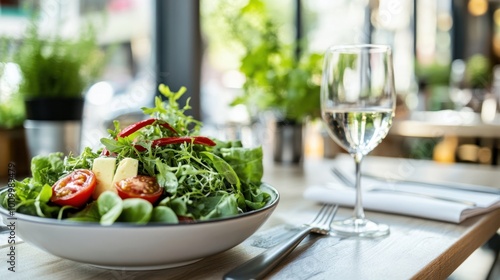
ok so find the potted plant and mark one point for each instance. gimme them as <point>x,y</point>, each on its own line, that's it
<point>12,139</point>
<point>279,77</point>
<point>286,88</point>
<point>55,72</point>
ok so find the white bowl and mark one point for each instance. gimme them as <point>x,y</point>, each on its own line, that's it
<point>140,247</point>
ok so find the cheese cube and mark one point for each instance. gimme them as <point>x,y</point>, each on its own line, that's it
<point>128,167</point>
<point>104,170</point>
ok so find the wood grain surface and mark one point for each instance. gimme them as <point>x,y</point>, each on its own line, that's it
<point>416,248</point>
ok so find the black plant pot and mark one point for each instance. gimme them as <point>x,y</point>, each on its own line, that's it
<point>53,125</point>
<point>288,142</point>
<point>54,109</point>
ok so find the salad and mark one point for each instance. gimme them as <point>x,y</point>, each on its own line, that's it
<point>156,170</point>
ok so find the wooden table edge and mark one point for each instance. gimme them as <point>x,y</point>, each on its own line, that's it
<point>444,265</point>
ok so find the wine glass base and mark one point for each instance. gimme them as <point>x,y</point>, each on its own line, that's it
<point>353,227</point>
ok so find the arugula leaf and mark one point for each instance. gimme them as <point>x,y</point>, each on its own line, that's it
<point>166,178</point>
<point>224,168</point>
<point>111,144</point>
<point>83,161</point>
<point>219,207</point>
<point>47,169</point>
<point>172,113</point>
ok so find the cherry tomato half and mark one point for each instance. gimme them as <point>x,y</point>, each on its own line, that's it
<point>141,186</point>
<point>74,189</point>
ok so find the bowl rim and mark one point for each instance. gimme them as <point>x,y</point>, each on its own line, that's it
<point>275,197</point>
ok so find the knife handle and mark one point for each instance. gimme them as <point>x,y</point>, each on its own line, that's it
<point>261,265</point>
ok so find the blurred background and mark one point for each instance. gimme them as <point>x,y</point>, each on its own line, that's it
<point>445,56</point>
<point>249,64</point>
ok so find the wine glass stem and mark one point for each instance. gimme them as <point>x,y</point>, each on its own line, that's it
<point>359,213</point>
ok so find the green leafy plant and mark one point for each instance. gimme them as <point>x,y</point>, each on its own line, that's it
<point>433,74</point>
<point>278,79</point>
<point>11,104</point>
<point>478,71</point>
<point>11,112</point>
<point>53,66</point>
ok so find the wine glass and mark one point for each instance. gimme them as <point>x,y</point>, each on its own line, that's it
<point>357,105</point>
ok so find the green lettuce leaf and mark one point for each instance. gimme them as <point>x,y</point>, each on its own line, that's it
<point>246,162</point>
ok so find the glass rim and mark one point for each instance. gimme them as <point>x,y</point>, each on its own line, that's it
<point>356,48</point>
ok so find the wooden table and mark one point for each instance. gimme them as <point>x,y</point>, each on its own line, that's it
<point>454,124</point>
<point>416,248</point>
<point>446,122</point>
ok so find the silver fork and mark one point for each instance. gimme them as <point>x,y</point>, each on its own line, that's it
<point>350,183</point>
<point>262,264</point>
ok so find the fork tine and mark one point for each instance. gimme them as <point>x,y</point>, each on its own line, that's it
<point>333,212</point>
<point>325,216</point>
<point>320,214</point>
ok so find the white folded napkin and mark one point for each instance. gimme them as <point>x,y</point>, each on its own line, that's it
<point>407,204</point>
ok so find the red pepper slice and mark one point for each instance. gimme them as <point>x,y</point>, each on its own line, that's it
<point>138,125</point>
<point>200,140</point>
<point>140,148</point>
<point>105,152</point>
